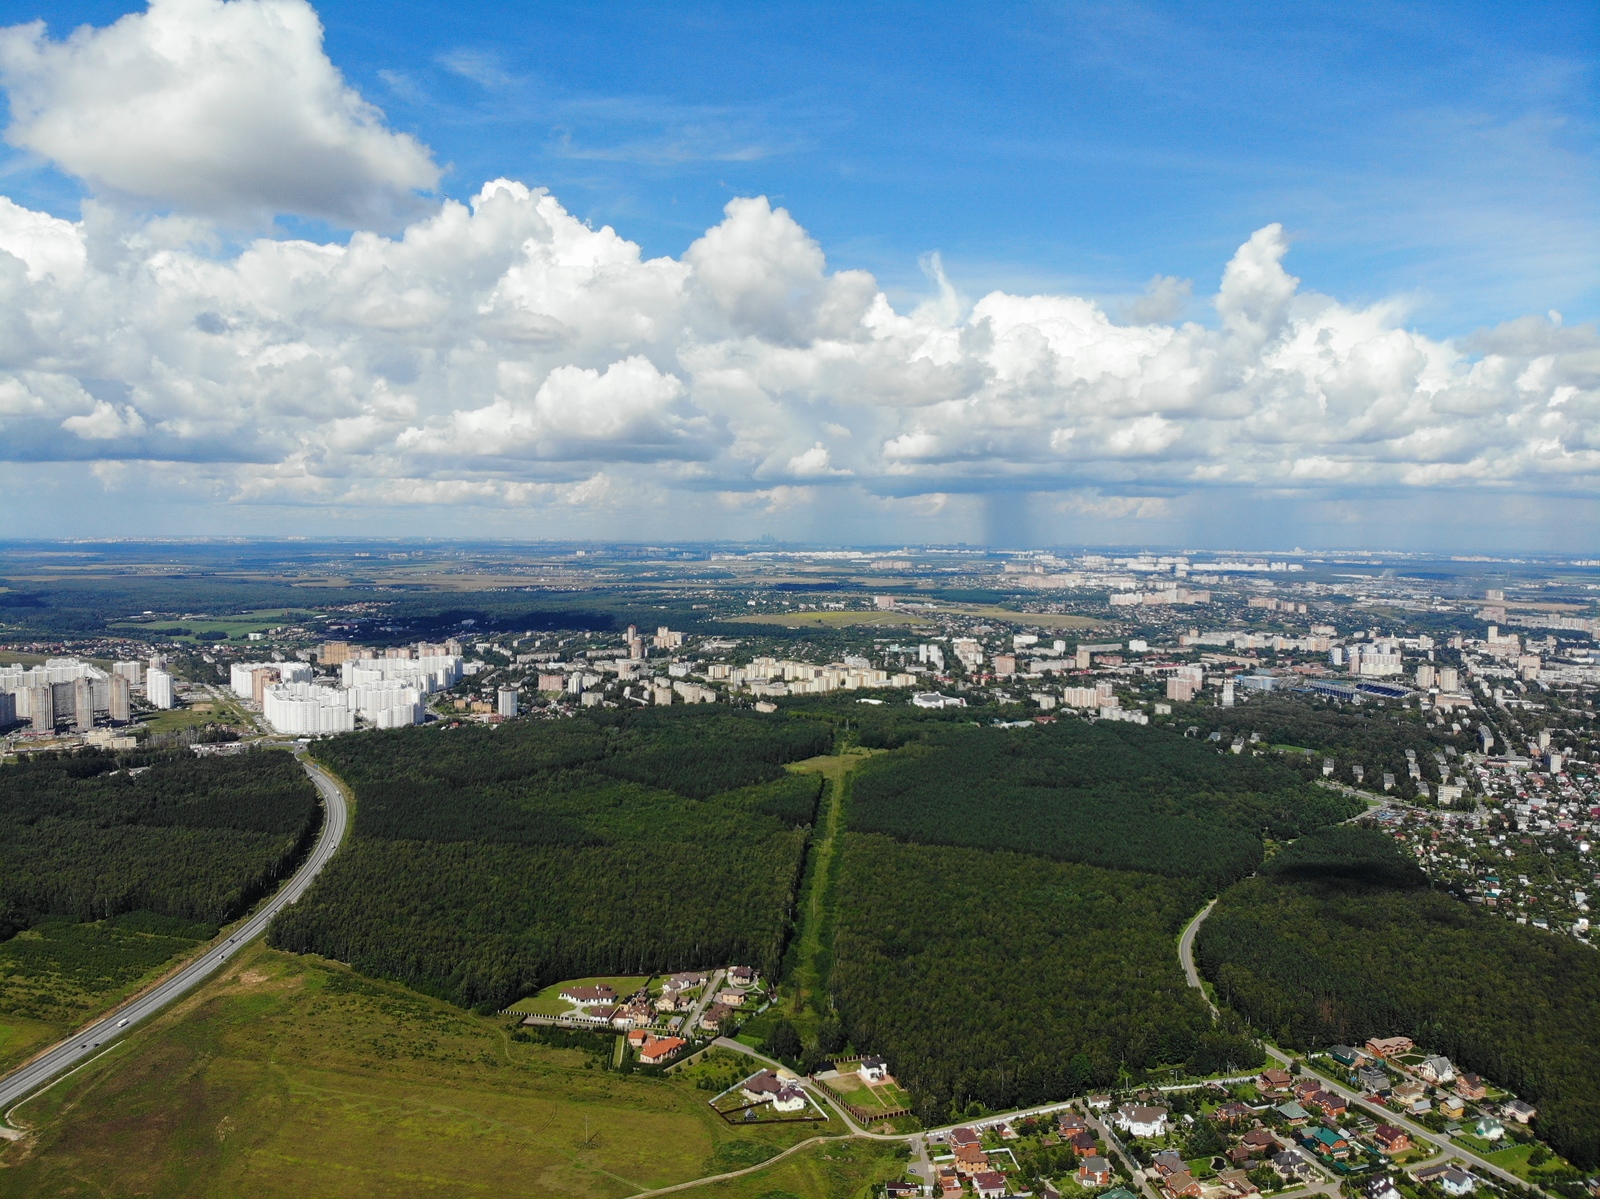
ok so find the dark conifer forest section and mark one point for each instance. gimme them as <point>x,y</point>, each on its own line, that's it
<point>1114,795</point>
<point>488,862</point>
<point>93,835</point>
<point>1342,939</point>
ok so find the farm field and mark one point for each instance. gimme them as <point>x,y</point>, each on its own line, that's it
<point>548,1002</point>
<point>294,1076</point>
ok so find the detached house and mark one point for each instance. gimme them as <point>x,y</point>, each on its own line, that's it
<point>1390,1046</point>
<point>873,1069</point>
<point>659,1049</point>
<point>1391,1140</point>
<point>1274,1081</point>
<point>1470,1086</point>
<point>989,1184</point>
<point>761,1087</point>
<point>1327,1142</point>
<point>1437,1070</point>
<point>1139,1121</point>
<point>1094,1172</point>
<point>585,997</point>
<point>1452,1180</point>
<point>1181,1186</point>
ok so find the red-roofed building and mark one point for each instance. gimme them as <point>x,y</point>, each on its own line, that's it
<point>660,1049</point>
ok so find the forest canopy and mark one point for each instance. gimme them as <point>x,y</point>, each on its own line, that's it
<point>1338,942</point>
<point>93,834</point>
<point>1010,980</point>
<point>1114,795</point>
<point>488,862</point>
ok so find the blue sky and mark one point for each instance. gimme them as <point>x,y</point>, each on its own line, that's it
<point>1403,197</point>
<point>1445,152</point>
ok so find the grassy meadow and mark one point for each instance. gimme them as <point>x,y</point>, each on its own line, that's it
<point>60,974</point>
<point>294,1076</point>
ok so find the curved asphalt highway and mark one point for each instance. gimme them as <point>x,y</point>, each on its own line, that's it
<point>29,1078</point>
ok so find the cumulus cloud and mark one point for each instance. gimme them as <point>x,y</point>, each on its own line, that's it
<point>228,108</point>
<point>502,353</point>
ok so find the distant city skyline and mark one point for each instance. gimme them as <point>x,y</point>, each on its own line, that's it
<point>1047,276</point>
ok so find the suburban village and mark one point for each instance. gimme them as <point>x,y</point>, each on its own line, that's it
<point>1383,1120</point>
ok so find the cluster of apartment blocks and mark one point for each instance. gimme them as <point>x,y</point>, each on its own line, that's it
<point>388,690</point>
<point>74,691</point>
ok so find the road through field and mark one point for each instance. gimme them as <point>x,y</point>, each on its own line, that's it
<point>28,1078</point>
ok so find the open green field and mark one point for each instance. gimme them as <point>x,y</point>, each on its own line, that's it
<point>1515,1159</point>
<point>294,1076</point>
<point>10,657</point>
<point>841,1169</point>
<point>215,628</point>
<point>59,974</point>
<point>200,710</point>
<point>548,1002</point>
<point>21,1038</point>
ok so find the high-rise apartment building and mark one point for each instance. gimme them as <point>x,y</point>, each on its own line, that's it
<point>82,705</point>
<point>42,707</point>
<point>121,705</point>
<point>158,689</point>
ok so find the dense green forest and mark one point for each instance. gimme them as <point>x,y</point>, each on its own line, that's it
<point>486,863</point>
<point>1113,795</point>
<point>196,839</point>
<point>1342,939</point>
<point>1006,979</point>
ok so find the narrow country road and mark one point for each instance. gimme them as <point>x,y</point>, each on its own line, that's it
<point>51,1064</point>
<point>1186,954</point>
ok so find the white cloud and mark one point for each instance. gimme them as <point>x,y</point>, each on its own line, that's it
<point>105,422</point>
<point>228,108</point>
<point>1165,298</point>
<point>502,353</point>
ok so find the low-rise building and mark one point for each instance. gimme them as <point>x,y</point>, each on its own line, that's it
<point>1437,1069</point>
<point>989,1184</point>
<point>1140,1121</point>
<point>660,1049</point>
<point>1391,1140</point>
<point>1390,1046</point>
<point>1094,1171</point>
<point>1450,1179</point>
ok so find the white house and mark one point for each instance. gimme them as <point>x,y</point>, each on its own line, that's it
<point>790,1099</point>
<point>873,1069</point>
<point>1142,1121</point>
<point>1437,1070</point>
